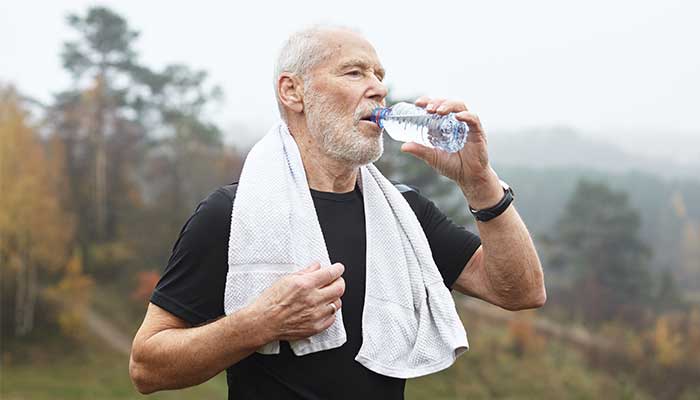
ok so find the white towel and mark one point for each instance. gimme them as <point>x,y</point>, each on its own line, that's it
<point>410,326</point>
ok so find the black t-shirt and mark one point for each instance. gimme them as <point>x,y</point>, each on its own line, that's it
<point>192,288</point>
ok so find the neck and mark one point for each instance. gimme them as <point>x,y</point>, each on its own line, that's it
<point>323,173</point>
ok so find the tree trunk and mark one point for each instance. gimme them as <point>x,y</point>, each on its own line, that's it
<point>20,296</point>
<point>25,299</point>
<point>32,291</point>
<point>100,159</point>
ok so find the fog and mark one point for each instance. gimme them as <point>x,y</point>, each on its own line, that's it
<point>624,73</point>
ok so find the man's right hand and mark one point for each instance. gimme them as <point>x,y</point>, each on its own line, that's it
<point>299,305</point>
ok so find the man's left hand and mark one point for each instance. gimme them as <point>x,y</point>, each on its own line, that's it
<point>468,167</point>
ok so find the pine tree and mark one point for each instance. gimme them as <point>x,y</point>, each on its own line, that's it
<point>598,237</point>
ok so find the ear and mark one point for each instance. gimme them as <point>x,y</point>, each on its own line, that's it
<point>290,90</point>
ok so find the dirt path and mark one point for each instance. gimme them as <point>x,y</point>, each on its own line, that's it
<point>104,329</point>
<point>576,336</point>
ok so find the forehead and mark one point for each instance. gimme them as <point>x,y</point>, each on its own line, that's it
<point>347,46</point>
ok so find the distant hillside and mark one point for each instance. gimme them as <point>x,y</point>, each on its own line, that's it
<point>564,147</point>
<point>669,209</point>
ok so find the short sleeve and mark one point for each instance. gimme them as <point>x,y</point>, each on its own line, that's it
<point>452,245</point>
<point>192,284</point>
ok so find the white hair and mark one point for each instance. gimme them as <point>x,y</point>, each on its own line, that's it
<point>302,51</point>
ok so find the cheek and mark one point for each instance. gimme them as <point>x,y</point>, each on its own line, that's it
<point>343,95</point>
<point>340,95</point>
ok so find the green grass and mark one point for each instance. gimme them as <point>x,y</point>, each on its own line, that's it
<point>92,376</point>
<point>56,369</point>
<point>493,370</point>
<point>490,370</point>
<point>53,369</point>
<point>93,372</point>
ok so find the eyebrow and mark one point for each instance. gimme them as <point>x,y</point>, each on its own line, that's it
<point>362,64</point>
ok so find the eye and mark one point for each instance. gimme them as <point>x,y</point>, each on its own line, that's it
<point>354,72</point>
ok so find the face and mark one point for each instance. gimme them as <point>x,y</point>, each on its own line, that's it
<point>339,96</point>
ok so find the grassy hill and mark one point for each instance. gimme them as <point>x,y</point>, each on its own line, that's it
<point>505,361</point>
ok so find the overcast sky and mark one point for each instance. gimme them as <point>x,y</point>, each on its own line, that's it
<point>628,69</point>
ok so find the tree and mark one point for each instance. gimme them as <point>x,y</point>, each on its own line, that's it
<point>120,118</point>
<point>598,238</point>
<point>35,231</point>
<point>102,57</point>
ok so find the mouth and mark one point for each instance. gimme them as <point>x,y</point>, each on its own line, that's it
<point>366,116</point>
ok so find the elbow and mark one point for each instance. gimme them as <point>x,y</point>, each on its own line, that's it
<point>535,300</point>
<point>139,376</point>
<point>538,300</point>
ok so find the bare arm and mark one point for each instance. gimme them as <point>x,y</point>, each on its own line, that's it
<point>506,270</point>
<point>169,354</point>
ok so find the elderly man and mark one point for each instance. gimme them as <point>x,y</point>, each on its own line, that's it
<point>327,82</point>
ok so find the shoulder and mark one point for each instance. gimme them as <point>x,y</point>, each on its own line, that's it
<point>221,198</point>
<point>410,193</point>
<point>403,188</point>
<point>414,198</point>
<point>215,209</point>
<point>227,192</point>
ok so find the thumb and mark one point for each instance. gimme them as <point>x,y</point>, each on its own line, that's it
<point>425,153</point>
<point>311,268</point>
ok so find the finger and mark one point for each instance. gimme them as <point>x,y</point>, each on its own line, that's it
<point>425,153</point>
<point>434,104</point>
<point>331,292</point>
<point>326,275</point>
<point>422,101</point>
<point>327,322</point>
<point>451,106</point>
<point>429,103</point>
<point>311,268</point>
<point>476,132</point>
<point>327,308</point>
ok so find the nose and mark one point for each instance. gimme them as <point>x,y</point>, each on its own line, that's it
<point>377,91</point>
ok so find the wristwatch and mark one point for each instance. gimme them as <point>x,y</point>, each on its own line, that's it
<point>492,212</point>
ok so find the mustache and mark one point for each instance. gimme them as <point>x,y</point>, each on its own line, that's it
<point>365,111</point>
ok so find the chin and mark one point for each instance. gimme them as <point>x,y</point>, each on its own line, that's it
<point>369,154</point>
<point>356,149</point>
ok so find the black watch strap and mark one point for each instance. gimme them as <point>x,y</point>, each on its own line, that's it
<point>490,213</point>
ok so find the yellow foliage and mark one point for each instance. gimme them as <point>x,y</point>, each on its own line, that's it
<point>667,344</point>
<point>694,335</point>
<point>32,224</point>
<point>523,336</point>
<point>622,337</point>
<point>36,231</point>
<point>690,249</point>
<point>111,253</point>
<point>72,296</point>
<point>678,204</point>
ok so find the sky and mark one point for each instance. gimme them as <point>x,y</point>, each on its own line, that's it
<point>624,71</point>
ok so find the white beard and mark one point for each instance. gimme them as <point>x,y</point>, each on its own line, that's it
<point>338,139</point>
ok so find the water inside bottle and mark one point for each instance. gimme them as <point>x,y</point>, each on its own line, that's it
<point>402,129</point>
<point>429,130</point>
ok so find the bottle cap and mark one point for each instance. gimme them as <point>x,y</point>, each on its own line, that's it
<point>378,115</point>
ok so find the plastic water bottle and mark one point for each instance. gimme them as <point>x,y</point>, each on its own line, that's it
<point>409,123</point>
